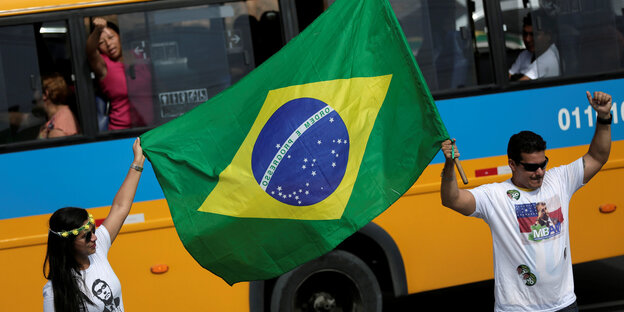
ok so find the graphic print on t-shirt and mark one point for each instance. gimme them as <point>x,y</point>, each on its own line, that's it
<point>525,273</point>
<point>103,292</point>
<point>513,194</point>
<point>540,220</point>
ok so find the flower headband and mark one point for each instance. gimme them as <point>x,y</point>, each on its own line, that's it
<point>87,226</point>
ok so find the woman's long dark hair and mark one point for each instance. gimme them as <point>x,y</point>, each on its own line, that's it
<point>63,269</point>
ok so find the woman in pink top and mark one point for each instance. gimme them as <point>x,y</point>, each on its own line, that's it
<point>61,121</point>
<point>106,60</point>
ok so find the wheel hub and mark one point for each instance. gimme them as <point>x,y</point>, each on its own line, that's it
<point>323,302</point>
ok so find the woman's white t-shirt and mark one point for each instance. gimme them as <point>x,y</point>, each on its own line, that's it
<point>98,281</point>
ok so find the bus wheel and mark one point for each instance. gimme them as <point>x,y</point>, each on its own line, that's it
<point>337,282</point>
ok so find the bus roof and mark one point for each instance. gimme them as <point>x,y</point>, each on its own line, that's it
<point>17,7</point>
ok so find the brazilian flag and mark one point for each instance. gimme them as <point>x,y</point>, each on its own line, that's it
<point>304,151</point>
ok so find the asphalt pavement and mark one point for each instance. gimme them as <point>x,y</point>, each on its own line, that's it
<point>599,287</point>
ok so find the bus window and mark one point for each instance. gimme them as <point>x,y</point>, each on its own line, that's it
<point>570,39</point>
<point>28,53</point>
<point>600,40</point>
<point>442,36</point>
<point>309,10</point>
<point>176,59</point>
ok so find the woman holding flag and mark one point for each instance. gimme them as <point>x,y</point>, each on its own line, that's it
<point>79,275</point>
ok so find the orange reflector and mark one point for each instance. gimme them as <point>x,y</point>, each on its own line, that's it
<point>159,268</point>
<point>607,208</point>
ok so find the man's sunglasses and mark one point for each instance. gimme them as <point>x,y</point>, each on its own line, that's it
<point>534,167</point>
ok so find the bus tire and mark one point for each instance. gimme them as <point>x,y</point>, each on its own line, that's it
<point>337,281</point>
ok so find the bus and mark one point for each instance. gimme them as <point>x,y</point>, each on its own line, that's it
<point>193,49</point>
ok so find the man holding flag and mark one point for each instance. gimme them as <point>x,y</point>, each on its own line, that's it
<point>528,216</point>
<point>304,151</point>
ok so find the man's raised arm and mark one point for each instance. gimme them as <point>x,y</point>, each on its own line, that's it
<point>600,146</point>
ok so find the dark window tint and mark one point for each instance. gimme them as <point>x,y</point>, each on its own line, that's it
<point>565,38</point>
<point>29,53</point>
<point>450,46</point>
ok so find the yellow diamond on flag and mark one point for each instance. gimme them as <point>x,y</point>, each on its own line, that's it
<point>250,187</point>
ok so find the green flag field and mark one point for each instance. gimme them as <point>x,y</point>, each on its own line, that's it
<point>304,151</point>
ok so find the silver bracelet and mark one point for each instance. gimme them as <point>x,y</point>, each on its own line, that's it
<point>137,168</point>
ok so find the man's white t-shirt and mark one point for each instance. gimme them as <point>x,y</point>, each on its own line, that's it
<point>98,281</point>
<point>546,65</point>
<point>530,234</point>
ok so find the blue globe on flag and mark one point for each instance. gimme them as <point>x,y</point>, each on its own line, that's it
<point>301,153</point>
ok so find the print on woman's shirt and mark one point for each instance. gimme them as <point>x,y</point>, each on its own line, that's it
<point>538,221</point>
<point>103,292</point>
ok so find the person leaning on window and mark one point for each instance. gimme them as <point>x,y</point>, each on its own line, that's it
<point>61,120</point>
<point>541,57</point>
<point>105,56</point>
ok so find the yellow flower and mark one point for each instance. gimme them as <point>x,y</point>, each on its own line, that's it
<point>75,232</point>
<point>87,227</point>
<point>64,234</point>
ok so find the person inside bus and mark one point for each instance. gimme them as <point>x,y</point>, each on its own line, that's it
<point>104,53</point>
<point>541,57</point>
<point>61,121</point>
<point>17,126</point>
<point>532,262</point>
<point>77,252</point>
